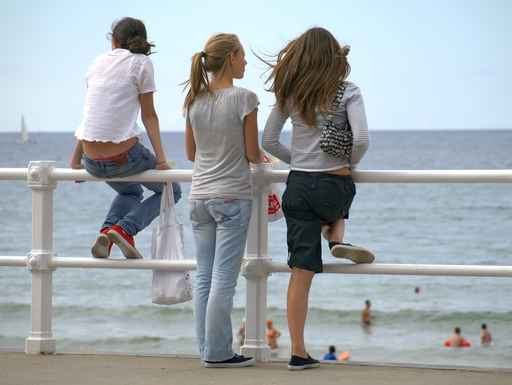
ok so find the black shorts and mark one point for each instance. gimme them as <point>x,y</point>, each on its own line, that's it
<point>312,199</point>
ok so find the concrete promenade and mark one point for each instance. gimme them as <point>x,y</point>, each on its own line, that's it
<point>98,369</point>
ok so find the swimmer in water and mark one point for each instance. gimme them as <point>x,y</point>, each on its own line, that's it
<point>485,336</point>
<point>456,340</point>
<point>272,335</point>
<point>366,315</point>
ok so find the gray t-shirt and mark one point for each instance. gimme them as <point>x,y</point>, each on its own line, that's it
<point>305,153</point>
<point>221,169</point>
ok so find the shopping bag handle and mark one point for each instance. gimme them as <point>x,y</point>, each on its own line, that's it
<point>167,206</point>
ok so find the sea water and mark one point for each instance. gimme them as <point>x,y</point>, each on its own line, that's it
<point>467,224</point>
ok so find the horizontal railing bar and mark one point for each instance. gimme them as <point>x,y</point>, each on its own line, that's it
<point>279,176</point>
<point>138,264</point>
<point>13,173</point>
<point>407,269</point>
<point>276,267</point>
<point>13,261</point>
<point>418,176</point>
<point>66,174</point>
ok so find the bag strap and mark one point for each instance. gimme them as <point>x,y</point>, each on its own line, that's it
<point>340,91</point>
<point>167,206</point>
<point>339,95</point>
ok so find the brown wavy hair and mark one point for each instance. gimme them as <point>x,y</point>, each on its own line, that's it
<point>308,71</point>
<point>211,60</point>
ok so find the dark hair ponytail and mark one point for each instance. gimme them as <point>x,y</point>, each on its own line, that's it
<point>130,34</point>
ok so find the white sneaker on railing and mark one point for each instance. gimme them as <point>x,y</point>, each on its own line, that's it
<point>103,245</point>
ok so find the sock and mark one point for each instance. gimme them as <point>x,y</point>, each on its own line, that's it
<point>333,243</point>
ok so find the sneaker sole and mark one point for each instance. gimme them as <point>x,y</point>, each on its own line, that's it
<point>309,366</point>
<point>128,250</point>
<point>244,364</point>
<point>354,253</point>
<point>100,247</point>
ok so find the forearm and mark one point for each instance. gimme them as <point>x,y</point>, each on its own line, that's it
<point>277,149</point>
<point>153,129</point>
<point>76,157</point>
<point>271,136</point>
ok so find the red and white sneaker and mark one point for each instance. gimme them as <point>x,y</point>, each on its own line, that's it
<point>103,245</point>
<point>124,241</point>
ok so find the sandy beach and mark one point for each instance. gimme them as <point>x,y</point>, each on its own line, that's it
<point>80,369</point>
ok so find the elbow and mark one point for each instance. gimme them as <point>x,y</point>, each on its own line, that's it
<point>149,117</point>
<point>191,155</point>
<point>358,152</point>
<point>268,145</point>
<point>364,146</point>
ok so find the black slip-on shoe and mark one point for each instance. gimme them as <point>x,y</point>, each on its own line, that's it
<point>299,363</point>
<point>356,254</point>
<point>236,361</point>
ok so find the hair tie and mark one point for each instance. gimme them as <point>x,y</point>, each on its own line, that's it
<point>203,54</point>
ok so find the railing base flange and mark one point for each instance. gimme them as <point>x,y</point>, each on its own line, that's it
<point>40,345</point>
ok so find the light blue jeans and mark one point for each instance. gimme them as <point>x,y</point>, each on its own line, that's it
<point>128,210</point>
<point>220,231</point>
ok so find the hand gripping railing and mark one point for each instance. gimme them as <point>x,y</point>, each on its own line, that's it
<point>42,177</point>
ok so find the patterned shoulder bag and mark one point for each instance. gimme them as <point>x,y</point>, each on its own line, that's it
<point>337,139</point>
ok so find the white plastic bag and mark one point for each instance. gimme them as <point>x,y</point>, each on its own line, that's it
<point>167,243</point>
<point>275,210</point>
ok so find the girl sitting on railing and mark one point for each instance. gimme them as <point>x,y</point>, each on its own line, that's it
<point>221,138</point>
<point>121,83</point>
<point>307,76</point>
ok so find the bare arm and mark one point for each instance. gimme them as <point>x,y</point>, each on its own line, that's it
<point>190,142</point>
<point>76,158</point>
<point>252,148</point>
<point>150,120</point>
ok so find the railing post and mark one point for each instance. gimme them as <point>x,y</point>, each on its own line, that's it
<point>255,269</point>
<point>39,180</point>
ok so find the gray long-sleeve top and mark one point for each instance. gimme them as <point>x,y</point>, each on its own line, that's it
<point>305,153</point>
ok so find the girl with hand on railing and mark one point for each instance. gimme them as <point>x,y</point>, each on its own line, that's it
<point>307,79</point>
<point>221,136</point>
<point>121,83</point>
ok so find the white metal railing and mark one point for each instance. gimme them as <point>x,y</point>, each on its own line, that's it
<point>42,177</point>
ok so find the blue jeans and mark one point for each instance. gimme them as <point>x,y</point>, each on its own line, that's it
<point>220,231</point>
<point>128,210</point>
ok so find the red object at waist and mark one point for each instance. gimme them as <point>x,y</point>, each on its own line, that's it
<point>118,159</point>
<point>113,158</point>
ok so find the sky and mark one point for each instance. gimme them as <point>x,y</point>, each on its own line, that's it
<point>437,64</point>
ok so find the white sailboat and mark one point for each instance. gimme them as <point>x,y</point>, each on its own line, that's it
<point>23,131</point>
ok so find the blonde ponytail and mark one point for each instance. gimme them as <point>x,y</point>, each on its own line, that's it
<point>211,60</point>
<point>198,81</point>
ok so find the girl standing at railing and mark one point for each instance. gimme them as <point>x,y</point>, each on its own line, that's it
<point>221,139</point>
<point>320,189</point>
<point>121,83</point>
